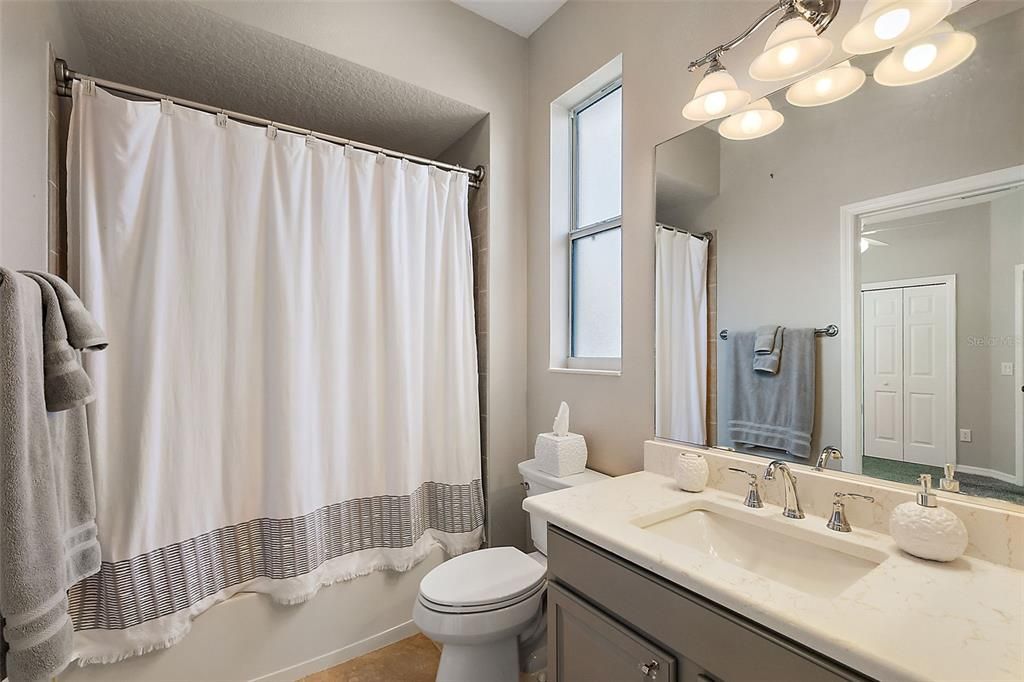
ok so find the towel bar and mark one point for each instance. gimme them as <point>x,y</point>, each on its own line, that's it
<point>830,330</point>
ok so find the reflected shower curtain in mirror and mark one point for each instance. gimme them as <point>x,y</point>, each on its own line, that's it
<point>681,336</point>
<point>290,397</point>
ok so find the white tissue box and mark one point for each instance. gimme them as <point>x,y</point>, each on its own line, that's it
<point>561,455</point>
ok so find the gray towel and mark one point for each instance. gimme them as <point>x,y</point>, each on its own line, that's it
<point>84,333</point>
<point>33,576</point>
<point>772,410</point>
<point>764,342</point>
<point>65,383</point>
<point>768,361</point>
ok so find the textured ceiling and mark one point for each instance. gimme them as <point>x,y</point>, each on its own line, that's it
<point>519,16</point>
<point>186,51</point>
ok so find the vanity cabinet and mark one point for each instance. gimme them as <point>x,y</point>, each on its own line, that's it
<point>610,620</point>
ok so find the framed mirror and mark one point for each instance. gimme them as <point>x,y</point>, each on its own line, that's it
<point>851,275</point>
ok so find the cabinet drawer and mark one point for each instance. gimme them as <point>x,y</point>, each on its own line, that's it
<point>729,646</point>
<point>584,645</point>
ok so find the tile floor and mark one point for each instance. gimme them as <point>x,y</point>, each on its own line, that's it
<point>413,659</point>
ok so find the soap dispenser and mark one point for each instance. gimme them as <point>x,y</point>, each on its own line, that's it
<point>925,529</point>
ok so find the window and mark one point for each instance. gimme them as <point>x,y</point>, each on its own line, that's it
<point>595,234</point>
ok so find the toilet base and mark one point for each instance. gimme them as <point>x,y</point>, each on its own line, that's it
<point>496,661</point>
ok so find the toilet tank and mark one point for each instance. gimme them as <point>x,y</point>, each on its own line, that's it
<point>538,482</point>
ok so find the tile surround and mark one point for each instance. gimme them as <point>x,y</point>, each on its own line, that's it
<point>996,529</point>
<point>479,228</point>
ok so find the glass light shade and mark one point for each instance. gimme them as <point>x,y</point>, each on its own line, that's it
<point>926,57</point>
<point>753,121</point>
<point>884,23</point>
<point>793,48</point>
<point>825,87</point>
<point>717,95</point>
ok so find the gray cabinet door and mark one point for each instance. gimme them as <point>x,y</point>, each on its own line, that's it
<point>584,645</point>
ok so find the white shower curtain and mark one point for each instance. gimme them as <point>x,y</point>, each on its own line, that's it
<point>681,330</point>
<point>290,394</point>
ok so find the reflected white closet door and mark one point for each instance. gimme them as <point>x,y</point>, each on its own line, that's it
<point>926,375</point>
<point>883,373</point>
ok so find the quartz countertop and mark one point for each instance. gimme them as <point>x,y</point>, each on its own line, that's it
<point>907,619</point>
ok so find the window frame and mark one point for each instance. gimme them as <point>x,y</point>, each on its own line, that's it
<point>575,231</point>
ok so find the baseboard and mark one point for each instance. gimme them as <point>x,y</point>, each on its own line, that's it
<point>338,656</point>
<point>991,473</point>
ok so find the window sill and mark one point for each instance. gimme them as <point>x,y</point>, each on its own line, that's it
<point>597,372</point>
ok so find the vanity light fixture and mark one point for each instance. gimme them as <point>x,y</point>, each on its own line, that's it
<point>753,121</point>
<point>716,96</point>
<point>884,23</point>
<point>825,87</point>
<point>926,57</point>
<point>793,48</point>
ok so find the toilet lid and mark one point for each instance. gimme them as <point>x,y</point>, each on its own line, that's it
<point>485,576</point>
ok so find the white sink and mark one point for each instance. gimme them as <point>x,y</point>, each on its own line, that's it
<point>778,549</point>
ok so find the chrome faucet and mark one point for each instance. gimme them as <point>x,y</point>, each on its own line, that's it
<point>830,452</point>
<point>792,508</point>
<point>838,520</point>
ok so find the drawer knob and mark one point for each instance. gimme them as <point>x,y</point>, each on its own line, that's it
<point>649,669</point>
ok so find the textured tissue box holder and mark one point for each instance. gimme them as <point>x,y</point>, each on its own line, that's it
<point>561,455</point>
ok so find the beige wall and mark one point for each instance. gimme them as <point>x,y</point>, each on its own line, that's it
<point>27,29</point>
<point>1007,244</point>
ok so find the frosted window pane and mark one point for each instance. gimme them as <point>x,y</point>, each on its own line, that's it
<point>599,140</point>
<point>596,295</point>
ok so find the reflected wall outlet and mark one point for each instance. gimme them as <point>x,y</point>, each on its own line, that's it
<point>965,435</point>
<point>1006,369</point>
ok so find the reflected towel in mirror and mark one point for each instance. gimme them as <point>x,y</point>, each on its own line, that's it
<point>771,410</point>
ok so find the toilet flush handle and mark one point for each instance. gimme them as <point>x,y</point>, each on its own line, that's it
<point>526,485</point>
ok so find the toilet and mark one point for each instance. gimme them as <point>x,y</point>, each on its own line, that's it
<point>487,607</point>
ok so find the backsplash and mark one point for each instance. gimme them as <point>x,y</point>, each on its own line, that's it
<point>996,531</point>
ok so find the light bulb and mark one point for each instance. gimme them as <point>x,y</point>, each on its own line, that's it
<point>714,103</point>
<point>750,122</point>
<point>891,24</point>
<point>825,87</point>
<point>864,244</point>
<point>793,48</point>
<point>920,57</point>
<point>788,55</point>
<point>884,23</point>
<point>756,120</point>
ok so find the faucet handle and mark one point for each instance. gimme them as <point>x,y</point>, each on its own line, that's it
<point>753,499</point>
<point>838,520</point>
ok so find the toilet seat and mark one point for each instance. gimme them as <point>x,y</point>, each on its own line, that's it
<point>483,608</point>
<point>481,581</point>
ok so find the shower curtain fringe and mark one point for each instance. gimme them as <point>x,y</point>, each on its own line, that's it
<point>419,551</point>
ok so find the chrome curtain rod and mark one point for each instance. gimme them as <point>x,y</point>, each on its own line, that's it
<point>66,76</point>
<point>829,331</point>
<point>705,236</point>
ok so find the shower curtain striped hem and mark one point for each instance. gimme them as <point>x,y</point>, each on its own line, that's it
<point>147,602</point>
